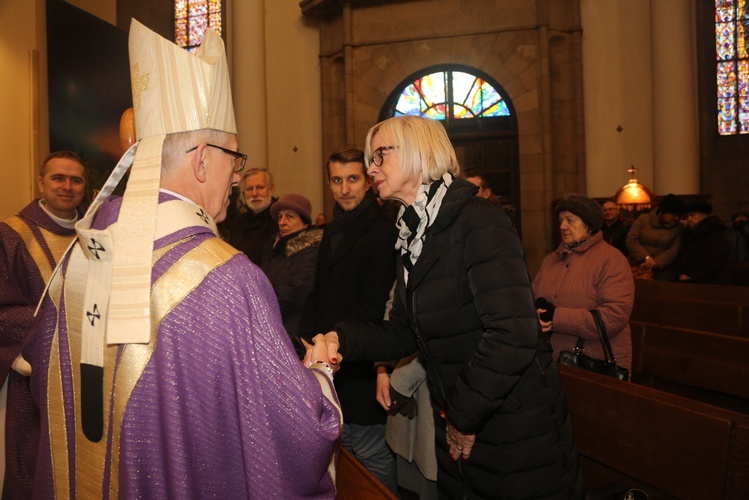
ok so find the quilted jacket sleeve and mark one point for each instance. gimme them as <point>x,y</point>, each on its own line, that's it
<point>499,281</point>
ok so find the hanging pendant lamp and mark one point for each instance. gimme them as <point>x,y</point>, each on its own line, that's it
<point>633,196</point>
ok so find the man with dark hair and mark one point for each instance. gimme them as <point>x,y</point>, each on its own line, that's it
<point>481,178</point>
<point>355,272</point>
<point>255,228</point>
<point>31,244</point>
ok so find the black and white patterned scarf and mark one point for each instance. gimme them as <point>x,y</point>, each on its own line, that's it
<point>414,220</point>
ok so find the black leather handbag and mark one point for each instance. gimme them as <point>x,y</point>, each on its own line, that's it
<point>606,366</point>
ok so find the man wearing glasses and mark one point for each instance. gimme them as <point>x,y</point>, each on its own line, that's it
<point>354,274</point>
<point>161,365</point>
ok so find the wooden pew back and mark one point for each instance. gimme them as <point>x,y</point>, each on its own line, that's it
<point>705,366</point>
<point>707,308</point>
<point>677,446</point>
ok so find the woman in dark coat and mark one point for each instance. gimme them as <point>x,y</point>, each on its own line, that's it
<point>463,298</point>
<point>706,248</point>
<point>290,262</point>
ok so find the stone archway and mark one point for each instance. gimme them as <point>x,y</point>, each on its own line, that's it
<point>478,117</point>
<point>367,49</point>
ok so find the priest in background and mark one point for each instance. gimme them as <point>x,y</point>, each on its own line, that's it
<point>31,244</point>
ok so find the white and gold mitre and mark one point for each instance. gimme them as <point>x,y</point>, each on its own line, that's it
<point>176,91</point>
<point>173,91</point>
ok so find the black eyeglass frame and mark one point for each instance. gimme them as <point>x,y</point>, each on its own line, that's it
<point>377,153</point>
<point>236,154</point>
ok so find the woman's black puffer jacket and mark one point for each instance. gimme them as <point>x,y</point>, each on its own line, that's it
<point>468,307</point>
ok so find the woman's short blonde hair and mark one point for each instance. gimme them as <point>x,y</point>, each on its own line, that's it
<point>424,150</point>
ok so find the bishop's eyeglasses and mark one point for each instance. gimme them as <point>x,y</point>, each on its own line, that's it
<point>239,158</point>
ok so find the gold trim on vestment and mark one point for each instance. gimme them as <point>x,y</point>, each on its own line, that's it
<point>58,436</point>
<point>90,458</point>
<point>327,391</point>
<point>169,290</point>
<point>56,243</point>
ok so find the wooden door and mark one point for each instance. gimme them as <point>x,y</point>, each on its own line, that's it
<point>498,156</point>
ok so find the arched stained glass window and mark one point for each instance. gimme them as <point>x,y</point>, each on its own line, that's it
<point>455,93</point>
<point>477,114</point>
<point>192,18</point>
<point>731,47</point>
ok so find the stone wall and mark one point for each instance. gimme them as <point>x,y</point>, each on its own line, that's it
<point>531,49</point>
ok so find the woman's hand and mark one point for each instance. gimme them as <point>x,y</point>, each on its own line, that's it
<point>546,326</point>
<point>460,444</point>
<point>382,394</point>
<point>324,348</point>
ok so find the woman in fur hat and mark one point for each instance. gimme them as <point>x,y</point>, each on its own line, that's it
<point>290,262</point>
<point>585,273</point>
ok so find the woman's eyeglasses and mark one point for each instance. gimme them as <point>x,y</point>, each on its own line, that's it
<point>377,155</point>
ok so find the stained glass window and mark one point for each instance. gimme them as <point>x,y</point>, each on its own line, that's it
<point>455,93</point>
<point>192,18</point>
<point>731,48</point>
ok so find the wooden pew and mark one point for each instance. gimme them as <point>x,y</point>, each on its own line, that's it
<point>667,445</point>
<point>740,273</point>
<point>709,308</point>
<point>704,366</point>
<point>355,482</point>
<point>717,293</point>
<point>692,340</point>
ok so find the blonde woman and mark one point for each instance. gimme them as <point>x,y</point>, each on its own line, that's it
<point>463,299</point>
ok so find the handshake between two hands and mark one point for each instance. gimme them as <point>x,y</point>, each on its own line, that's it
<point>324,349</point>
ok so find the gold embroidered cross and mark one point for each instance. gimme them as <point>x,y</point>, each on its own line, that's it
<point>140,83</point>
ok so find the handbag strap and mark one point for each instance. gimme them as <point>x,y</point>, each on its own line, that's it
<point>608,353</point>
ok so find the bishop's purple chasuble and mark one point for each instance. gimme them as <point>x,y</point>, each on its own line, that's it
<point>216,406</point>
